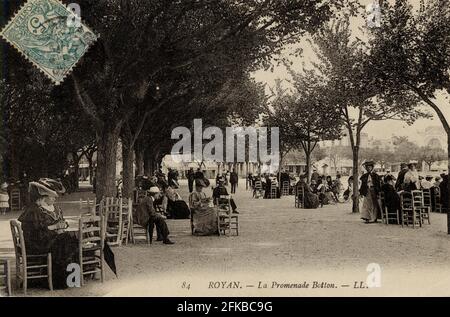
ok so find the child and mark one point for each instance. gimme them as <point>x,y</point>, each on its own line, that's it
<point>4,198</point>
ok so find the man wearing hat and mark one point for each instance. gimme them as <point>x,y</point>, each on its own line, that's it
<point>401,176</point>
<point>146,213</point>
<point>370,189</point>
<point>221,190</point>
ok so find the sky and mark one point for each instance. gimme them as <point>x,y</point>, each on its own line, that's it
<point>375,129</point>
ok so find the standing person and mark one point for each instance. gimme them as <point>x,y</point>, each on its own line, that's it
<point>4,198</point>
<point>190,178</point>
<point>401,177</point>
<point>234,180</point>
<point>370,189</point>
<point>199,174</point>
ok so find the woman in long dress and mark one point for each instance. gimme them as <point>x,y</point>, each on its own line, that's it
<point>204,215</point>
<point>370,190</point>
<point>44,227</point>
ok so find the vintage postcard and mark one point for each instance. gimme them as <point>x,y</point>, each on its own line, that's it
<point>221,148</point>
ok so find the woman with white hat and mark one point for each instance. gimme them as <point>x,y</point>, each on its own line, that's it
<point>44,227</point>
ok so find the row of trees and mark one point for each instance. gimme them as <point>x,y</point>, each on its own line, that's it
<point>388,72</point>
<point>157,65</point>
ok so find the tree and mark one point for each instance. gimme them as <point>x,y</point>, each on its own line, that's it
<point>141,41</point>
<point>430,155</point>
<point>346,73</point>
<point>410,52</point>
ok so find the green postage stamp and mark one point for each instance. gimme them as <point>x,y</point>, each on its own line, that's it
<point>42,32</point>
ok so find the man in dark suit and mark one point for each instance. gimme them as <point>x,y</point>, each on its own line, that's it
<point>401,176</point>
<point>234,179</point>
<point>146,214</point>
<point>221,190</point>
<point>190,177</point>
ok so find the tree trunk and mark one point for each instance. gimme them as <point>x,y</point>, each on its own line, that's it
<point>308,166</point>
<point>355,197</point>
<point>139,160</point>
<point>127,177</point>
<point>106,162</point>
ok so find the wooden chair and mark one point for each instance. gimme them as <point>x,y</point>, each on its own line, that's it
<point>388,215</point>
<point>16,200</point>
<point>409,214</point>
<point>273,190</point>
<point>112,211</point>
<point>91,243</point>
<point>299,197</point>
<point>227,221</point>
<point>29,266</point>
<point>419,206</point>
<point>88,206</point>
<point>138,232</point>
<point>427,198</point>
<point>127,214</point>
<point>5,274</point>
<point>258,189</point>
<point>285,191</point>
<point>437,200</point>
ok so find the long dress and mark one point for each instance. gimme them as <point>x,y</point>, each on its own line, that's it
<point>204,217</point>
<point>370,207</point>
<point>40,240</point>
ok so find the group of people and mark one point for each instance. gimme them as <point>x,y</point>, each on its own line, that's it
<point>407,180</point>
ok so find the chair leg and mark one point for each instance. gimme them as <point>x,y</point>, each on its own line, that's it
<point>25,281</point>
<point>8,278</point>
<point>49,272</point>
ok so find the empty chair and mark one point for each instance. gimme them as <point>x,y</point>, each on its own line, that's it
<point>137,232</point>
<point>437,200</point>
<point>409,215</point>
<point>115,220</point>
<point>16,200</point>
<point>91,243</point>
<point>88,206</point>
<point>5,275</point>
<point>419,206</point>
<point>273,190</point>
<point>29,266</point>
<point>227,221</point>
<point>299,197</point>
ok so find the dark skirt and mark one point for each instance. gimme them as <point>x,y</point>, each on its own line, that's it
<point>178,209</point>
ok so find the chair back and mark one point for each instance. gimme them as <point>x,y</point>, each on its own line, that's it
<point>223,202</point>
<point>406,201</point>
<point>112,223</point>
<point>89,206</point>
<point>18,240</point>
<point>90,233</point>
<point>427,197</point>
<point>258,185</point>
<point>15,199</point>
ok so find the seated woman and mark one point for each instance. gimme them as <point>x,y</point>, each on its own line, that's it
<point>311,200</point>
<point>175,206</point>
<point>391,197</point>
<point>44,227</point>
<point>204,215</point>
